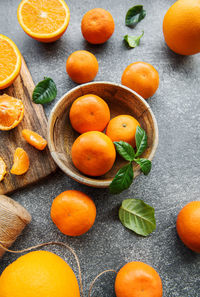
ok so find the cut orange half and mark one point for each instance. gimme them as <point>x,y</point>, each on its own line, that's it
<point>10,61</point>
<point>21,162</point>
<point>44,20</point>
<point>2,169</point>
<point>11,112</point>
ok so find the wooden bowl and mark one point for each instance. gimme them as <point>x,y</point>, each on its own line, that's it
<point>121,100</point>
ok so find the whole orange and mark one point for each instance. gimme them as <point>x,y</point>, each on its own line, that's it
<point>188,225</point>
<point>73,212</point>
<point>137,279</point>
<point>181,27</point>
<point>122,127</point>
<point>89,113</point>
<point>93,153</point>
<point>142,78</point>
<point>97,25</point>
<point>39,273</point>
<point>82,66</point>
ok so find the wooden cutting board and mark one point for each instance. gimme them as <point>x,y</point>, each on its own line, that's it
<point>41,163</point>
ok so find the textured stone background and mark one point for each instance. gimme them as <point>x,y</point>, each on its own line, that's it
<point>174,179</point>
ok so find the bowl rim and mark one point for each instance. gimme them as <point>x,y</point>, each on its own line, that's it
<point>87,180</point>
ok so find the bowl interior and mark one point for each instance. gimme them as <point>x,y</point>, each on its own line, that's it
<point>120,100</point>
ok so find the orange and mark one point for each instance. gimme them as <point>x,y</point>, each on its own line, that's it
<point>97,25</point>
<point>34,139</point>
<point>41,274</point>
<point>11,112</point>
<point>45,21</point>
<point>73,212</point>
<point>89,113</point>
<point>10,61</point>
<point>82,66</point>
<point>2,169</point>
<point>181,27</point>
<point>122,127</point>
<point>137,279</point>
<point>21,162</point>
<point>188,225</point>
<point>142,78</point>
<point>93,153</point>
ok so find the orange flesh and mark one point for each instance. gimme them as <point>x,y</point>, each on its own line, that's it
<point>2,169</point>
<point>34,139</point>
<point>21,162</point>
<point>8,59</point>
<point>11,112</point>
<point>43,17</point>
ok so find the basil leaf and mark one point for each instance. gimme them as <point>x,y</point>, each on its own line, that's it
<point>125,150</point>
<point>122,180</point>
<point>145,165</point>
<point>133,41</point>
<point>134,15</point>
<point>45,91</point>
<point>141,141</point>
<point>137,216</point>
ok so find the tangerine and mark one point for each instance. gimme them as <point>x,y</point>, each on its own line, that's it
<point>188,225</point>
<point>137,279</point>
<point>2,169</point>
<point>11,112</point>
<point>73,212</point>
<point>82,66</point>
<point>89,113</point>
<point>142,78</point>
<point>123,128</point>
<point>181,27</point>
<point>97,25</point>
<point>93,153</point>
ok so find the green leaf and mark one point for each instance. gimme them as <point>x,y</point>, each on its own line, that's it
<point>133,41</point>
<point>45,91</point>
<point>134,15</point>
<point>122,180</point>
<point>137,216</point>
<point>141,141</point>
<point>145,165</point>
<point>125,150</point>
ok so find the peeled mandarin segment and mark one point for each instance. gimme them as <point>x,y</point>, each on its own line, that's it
<point>10,61</point>
<point>34,139</point>
<point>2,169</point>
<point>21,162</point>
<point>45,21</point>
<point>11,112</point>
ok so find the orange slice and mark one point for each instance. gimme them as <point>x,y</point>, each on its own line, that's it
<point>21,162</point>
<point>2,169</point>
<point>44,20</point>
<point>11,112</point>
<point>10,61</point>
<point>34,139</point>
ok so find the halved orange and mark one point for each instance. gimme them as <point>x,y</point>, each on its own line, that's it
<point>44,20</point>
<point>34,139</point>
<point>2,169</point>
<point>21,162</point>
<point>10,61</point>
<point>11,112</point>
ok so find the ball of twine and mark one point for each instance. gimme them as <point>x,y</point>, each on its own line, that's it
<point>13,219</point>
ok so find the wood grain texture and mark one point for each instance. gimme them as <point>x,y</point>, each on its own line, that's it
<point>41,163</point>
<point>121,100</point>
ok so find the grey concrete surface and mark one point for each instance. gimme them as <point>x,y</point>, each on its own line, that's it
<point>175,177</point>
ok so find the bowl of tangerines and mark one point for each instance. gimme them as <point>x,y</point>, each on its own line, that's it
<point>103,134</point>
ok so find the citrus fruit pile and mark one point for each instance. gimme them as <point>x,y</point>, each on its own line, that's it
<point>93,152</point>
